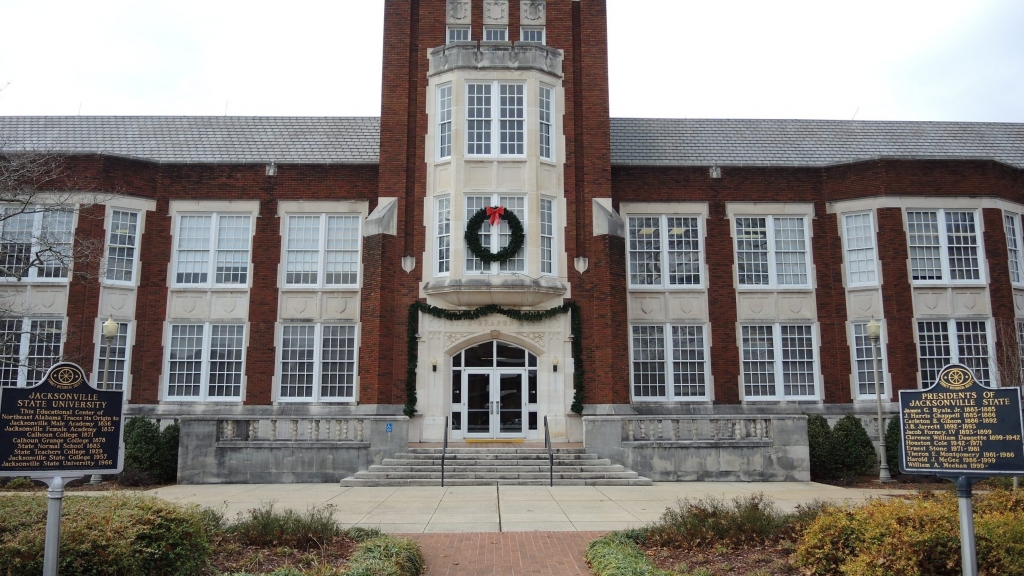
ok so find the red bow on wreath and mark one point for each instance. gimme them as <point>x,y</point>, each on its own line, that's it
<point>495,214</point>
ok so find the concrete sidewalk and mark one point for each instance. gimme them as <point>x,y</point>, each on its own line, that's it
<point>498,508</point>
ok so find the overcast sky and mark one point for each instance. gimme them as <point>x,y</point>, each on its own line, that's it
<point>876,59</point>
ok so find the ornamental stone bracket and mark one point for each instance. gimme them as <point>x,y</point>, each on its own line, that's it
<point>606,221</point>
<point>533,13</point>
<point>383,219</point>
<point>504,291</point>
<point>495,55</point>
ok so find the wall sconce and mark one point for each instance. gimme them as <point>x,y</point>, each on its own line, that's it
<point>554,364</point>
<point>433,364</point>
<point>408,263</point>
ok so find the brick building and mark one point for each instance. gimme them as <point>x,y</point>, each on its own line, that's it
<point>299,279</point>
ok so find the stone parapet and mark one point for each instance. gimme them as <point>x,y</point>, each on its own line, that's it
<point>495,55</point>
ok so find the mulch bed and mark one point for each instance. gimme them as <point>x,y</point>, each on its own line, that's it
<point>231,557</point>
<point>722,561</point>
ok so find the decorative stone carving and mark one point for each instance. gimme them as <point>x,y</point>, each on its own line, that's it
<point>459,11</point>
<point>533,12</point>
<point>496,12</point>
<point>451,338</point>
<point>535,337</point>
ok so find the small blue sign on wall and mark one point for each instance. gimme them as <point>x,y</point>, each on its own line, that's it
<point>389,428</point>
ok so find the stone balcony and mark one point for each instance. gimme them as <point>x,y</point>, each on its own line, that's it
<point>496,56</point>
<point>500,290</point>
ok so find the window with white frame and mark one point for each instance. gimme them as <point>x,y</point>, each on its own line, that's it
<point>861,262</point>
<point>1020,355</point>
<point>779,362</point>
<point>114,375</point>
<point>942,342</point>
<point>547,104</point>
<point>212,250</point>
<point>495,33</point>
<point>864,361</point>
<point>205,361</point>
<point>458,34</point>
<point>669,362</point>
<point>771,251</point>
<point>1012,227</point>
<point>943,246</point>
<point>444,235</point>
<point>510,110</point>
<point>28,347</point>
<point>444,121</point>
<point>317,362</point>
<point>322,250</point>
<point>547,236</point>
<point>532,34</point>
<point>665,251</point>
<point>496,236</point>
<point>35,242</point>
<point>122,244</point>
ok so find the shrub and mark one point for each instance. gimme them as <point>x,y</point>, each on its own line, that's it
<point>150,455</point>
<point>618,555</point>
<point>19,483</point>
<point>108,535</point>
<point>892,446</point>
<point>855,452</point>
<point>819,437</point>
<point>265,526</point>
<point>711,521</point>
<point>385,556</point>
<point>166,468</point>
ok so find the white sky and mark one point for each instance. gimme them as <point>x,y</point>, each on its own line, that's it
<point>880,59</point>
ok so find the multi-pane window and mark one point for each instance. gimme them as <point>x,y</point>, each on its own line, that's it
<point>112,376</point>
<point>205,361</point>
<point>28,347</point>
<point>444,235</point>
<point>1011,225</point>
<point>1020,354</point>
<point>318,362</point>
<point>664,251</point>
<point>669,362</point>
<point>35,242</point>
<point>532,34</point>
<point>122,243</point>
<point>547,236</point>
<point>322,250</point>
<point>510,109</point>
<point>861,267</point>
<point>212,249</point>
<point>498,236</point>
<point>943,245</point>
<point>942,342</point>
<point>458,34</point>
<point>444,121</point>
<point>495,34</point>
<point>776,354</point>
<point>772,251</point>
<point>864,360</point>
<point>547,151</point>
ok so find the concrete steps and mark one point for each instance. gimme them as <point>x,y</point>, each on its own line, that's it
<point>496,466</point>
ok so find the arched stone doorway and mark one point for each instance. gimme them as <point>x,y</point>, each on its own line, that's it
<point>494,392</point>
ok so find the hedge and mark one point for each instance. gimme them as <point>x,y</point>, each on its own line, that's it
<point>150,454</point>
<point>839,453</point>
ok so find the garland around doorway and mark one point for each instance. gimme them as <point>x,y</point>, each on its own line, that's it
<point>571,308</point>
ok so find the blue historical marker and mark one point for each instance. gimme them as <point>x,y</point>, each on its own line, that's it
<point>964,432</point>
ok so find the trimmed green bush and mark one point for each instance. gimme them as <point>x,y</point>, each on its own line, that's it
<point>107,536</point>
<point>618,555</point>
<point>892,446</point>
<point>386,556</point>
<point>839,453</point>
<point>265,526</point>
<point>150,455</point>
<point>819,437</point>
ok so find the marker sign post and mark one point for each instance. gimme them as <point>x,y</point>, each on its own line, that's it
<point>60,430</point>
<point>963,432</point>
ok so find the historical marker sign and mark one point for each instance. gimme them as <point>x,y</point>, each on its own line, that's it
<point>61,427</point>
<point>960,428</point>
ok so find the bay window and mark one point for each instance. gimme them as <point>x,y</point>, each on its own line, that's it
<point>444,122</point>
<point>482,139</point>
<point>444,235</point>
<point>546,106</point>
<point>494,238</point>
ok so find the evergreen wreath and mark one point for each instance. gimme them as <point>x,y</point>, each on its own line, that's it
<point>413,327</point>
<point>495,213</point>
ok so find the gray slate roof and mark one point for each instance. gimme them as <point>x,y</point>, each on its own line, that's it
<point>635,141</point>
<point>200,139</point>
<point>663,142</point>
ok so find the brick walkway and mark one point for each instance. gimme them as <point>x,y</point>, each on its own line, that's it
<point>506,553</point>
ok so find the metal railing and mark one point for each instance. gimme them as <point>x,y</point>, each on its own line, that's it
<point>444,448</point>
<point>551,454</point>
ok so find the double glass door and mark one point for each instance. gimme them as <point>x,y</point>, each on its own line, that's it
<point>495,403</point>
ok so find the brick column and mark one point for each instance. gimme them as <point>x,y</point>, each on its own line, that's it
<point>1000,288</point>
<point>897,299</point>
<point>831,300</point>
<point>261,355</point>
<point>725,354</point>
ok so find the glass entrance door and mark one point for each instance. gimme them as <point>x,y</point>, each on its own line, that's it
<point>479,405</point>
<point>495,405</point>
<point>510,404</point>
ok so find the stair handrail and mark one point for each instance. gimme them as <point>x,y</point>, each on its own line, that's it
<point>551,455</point>
<point>444,448</point>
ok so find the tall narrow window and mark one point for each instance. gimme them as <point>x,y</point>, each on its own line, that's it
<point>35,242</point>
<point>689,362</point>
<point>499,236</point>
<point>444,235</point>
<point>779,353</point>
<point>322,250</point>
<point>752,251</point>
<point>205,361</point>
<point>648,361</point>
<point>941,342</point>
<point>114,376</point>
<point>790,251</point>
<point>318,362</point>
<point>225,372</point>
<point>1011,225</point>
<point>864,358</point>
<point>943,246</point>
<point>473,205</point>
<point>546,106</point>
<point>444,121</point>
<point>28,347</point>
<point>226,236</point>
<point>517,204</point>
<point>798,373</point>
<point>664,251</point>
<point>478,119</point>
<point>121,245</point>
<point>860,249</point>
<point>512,119</point>
<point>547,235</point>
<point>772,251</point>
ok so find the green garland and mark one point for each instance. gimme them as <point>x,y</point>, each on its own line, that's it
<point>571,308</point>
<point>508,252</point>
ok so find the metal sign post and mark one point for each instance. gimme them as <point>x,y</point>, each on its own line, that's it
<point>963,432</point>
<point>60,430</point>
